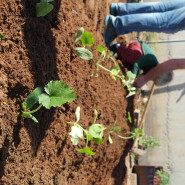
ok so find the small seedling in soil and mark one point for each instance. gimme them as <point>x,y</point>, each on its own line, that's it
<point>56,94</point>
<point>161,177</point>
<point>137,132</point>
<point>43,8</point>
<point>86,39</point>
<point>112,131</point>
<point>147,141</point>
<point>1,36</point>
<point>114,72</point>
<point>94,133</point>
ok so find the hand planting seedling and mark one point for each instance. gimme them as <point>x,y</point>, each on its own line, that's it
<point>114,72</point>
<point>44,7</point>
<point>56,94</point>
<point>94,133</point>
<point>86,39</point>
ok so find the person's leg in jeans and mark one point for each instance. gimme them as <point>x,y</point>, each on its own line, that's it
<point>118,9</point>
<point>167,22</point>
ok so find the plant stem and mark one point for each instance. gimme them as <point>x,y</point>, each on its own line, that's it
<point>104,68</point>
<point>35,110</point>
<point>124,137</point>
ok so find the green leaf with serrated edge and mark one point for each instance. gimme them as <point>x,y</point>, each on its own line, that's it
<point>58,93</point>
<point>96,130</point>
<point>86,150</point>
<point>83,53</point>
<point>27,115</point>
<point>101,48</point>
<point>43,8</point>
<point>87,39</point>
<point>110,139</point>
<point>78,35</point>
<point>98,140</point>
<point>32,98</point>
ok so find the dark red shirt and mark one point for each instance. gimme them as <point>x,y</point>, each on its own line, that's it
<point>130,54</point>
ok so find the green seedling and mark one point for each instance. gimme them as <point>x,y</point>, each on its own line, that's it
<point>114,72</point>
<point>164,177</point>
<point>43,8</point>
<point>86,39</point>
<point>147,141</point>
<point>1,36</point>
<point>94,133</point>
<point>133,135</point>
<point>54,94</point>
<point>112,131</point>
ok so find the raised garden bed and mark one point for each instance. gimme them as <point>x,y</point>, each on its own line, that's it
<point>35,51</point>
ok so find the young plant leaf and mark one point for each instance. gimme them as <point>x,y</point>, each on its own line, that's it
<point>83,53</point>
<point>86,150</point>
<point>118,129</point>
<point>96,130</point>
<point>43,8</point>
<point>114,72</point>
<point>32,98</point>
<point>87,39</point>
<point>130,75</point>
<point>101,49</point>
<point>78,35</point>
<point>139,132</point>
<point>76,132</point>
<point>98,140</point>
<point>58,93</point>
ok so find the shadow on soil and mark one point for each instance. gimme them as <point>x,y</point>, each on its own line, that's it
<point>40,44</point>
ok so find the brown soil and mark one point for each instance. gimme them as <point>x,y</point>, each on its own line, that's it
<point>35,51</point>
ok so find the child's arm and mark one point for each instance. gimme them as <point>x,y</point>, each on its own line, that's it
<point>170,65</point>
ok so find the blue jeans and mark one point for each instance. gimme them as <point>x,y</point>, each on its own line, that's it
<point>166,16</point>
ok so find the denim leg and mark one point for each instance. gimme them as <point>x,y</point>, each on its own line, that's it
<point>148,7</point>
<point>168,22</point>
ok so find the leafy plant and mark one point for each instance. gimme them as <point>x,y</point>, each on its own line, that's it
<point>44,7</point>
<point>86,39</point>
<point>56,94</point>
<point>1,36</point>
<point>147,141</point>
<point>94,133</point>
<point>164,177</point>
<point>114,72</point>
